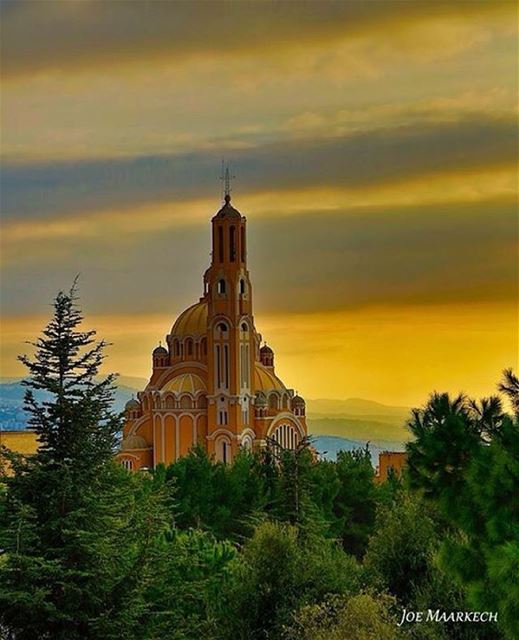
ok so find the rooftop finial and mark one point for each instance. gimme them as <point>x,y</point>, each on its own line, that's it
<point>226,178</point>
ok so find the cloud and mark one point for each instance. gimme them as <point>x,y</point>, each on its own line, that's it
<point>60,35</point>
<point>353,160</point>
<point>449,254</point>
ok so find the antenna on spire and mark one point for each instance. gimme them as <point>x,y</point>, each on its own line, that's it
<point>226,178</point>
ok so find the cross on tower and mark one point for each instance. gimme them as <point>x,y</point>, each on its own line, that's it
<point>226,178</point>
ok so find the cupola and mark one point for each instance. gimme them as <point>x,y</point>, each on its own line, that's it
<point>132,409</point>
<point>266,356</point>
<point>298,405</point>
<point>160,357</point>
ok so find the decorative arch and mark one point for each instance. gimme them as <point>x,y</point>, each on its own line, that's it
<point>186,401</point>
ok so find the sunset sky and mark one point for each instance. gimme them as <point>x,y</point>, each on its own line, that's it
<point>375,151</point>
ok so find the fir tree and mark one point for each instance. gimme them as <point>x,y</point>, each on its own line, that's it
<point>78,533</point>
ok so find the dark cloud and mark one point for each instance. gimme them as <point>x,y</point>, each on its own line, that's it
<point>308,262</point>
<point>358,160</point>
<point>59,34</point>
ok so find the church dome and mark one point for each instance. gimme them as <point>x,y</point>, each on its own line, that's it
<point>228,211</point>
<point>185,383</point>
<point>160,351</point>
<point>297,400</point>
<point>132,404</point>
<point>266,380</point>
<point>266,349</point>
<point>133,442</point>
<point>192,321</point>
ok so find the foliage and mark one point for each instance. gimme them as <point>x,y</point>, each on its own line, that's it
<point>360,617</point>
<point>279,572</point>
<point>465,459</point>
<point>78,533</point>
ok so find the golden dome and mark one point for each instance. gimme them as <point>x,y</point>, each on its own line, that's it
<point>192,321</point>
<point>185,383</point>
<point>133,442</point>
<point>266,380</point>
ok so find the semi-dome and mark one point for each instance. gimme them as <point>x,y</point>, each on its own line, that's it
<point>266,380</point>
<point>133,442</point>
<point>185,383</point>
<point>228,211</point>
<point>192,321</point>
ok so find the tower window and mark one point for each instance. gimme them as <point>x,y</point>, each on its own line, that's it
<point>242,287</point>
<point>244,326</point>
<point>242,236</point>
<point>220,244</point>
<point>221,286</point>
<point>232,244</point>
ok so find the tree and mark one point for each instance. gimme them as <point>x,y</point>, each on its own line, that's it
<point>78,533</point>
<point>360,617</point>
<point>278,572</point>
<point>465,460</point>
<point>356,500</point>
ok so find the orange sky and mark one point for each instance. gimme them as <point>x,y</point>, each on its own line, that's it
<point>374,146</point>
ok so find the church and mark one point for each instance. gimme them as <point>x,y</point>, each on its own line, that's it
<point>213,383</point>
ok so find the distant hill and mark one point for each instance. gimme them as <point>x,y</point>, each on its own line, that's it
<point>353,419</point>
<point>13,417</point>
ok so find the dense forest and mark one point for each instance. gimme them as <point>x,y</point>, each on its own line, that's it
<point>279,545</point>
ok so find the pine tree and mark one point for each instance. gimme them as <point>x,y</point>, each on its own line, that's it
<point>78,533</point>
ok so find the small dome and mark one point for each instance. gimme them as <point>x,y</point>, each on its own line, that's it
<point>228,211</point>
<point>133,442</point>
<point>192,321</point>
<point>160,351</point>
<point>297,400</point>
<point>132,404</point>
<point>265,349</point>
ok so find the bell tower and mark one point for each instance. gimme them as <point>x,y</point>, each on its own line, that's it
<point>230,325</point>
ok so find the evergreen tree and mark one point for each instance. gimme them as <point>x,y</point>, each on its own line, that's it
<point>465,459</point>
<point>77,531</point>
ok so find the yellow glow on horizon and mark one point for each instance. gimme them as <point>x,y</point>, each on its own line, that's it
<point>396,355</point>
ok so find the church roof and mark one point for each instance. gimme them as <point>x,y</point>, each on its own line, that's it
<point>192,321</point>
<point>133,442</point>
<point>228,211</point>
<point>185,383</point>
<point>266,380</point>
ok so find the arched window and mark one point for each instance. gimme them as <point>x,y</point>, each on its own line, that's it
<point>203,346</point>
<point>223,449</point>
<point>244,327</point>
<point>273,401</point>
<point>242,287</point>
<point>170,402</point>
<point>221,287</point>
<point>246,442</point>
<point>202,402</point>
<point>186,402</point>
<point>286,436</point>
<point>242,234</point>
<point>220,244</point>
<point>127,464</point>
<point>232,243</point>
<point>285,401</point>
<point>189,347</point>
<point>176,348</point>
